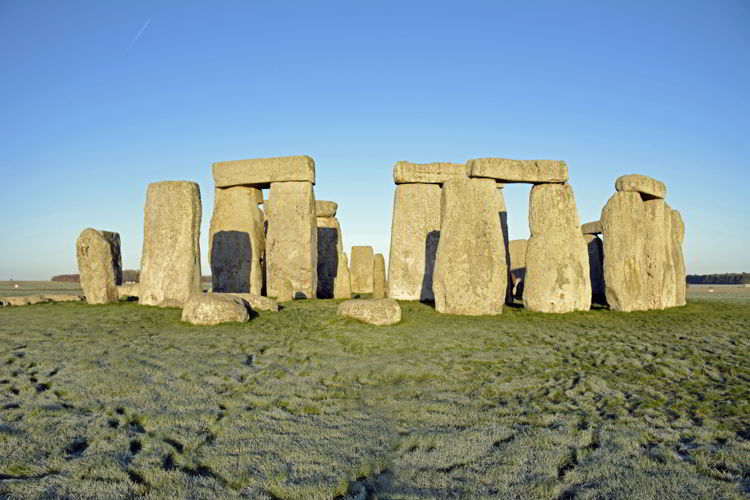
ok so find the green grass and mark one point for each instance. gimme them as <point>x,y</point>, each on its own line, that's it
<point>124,400</point>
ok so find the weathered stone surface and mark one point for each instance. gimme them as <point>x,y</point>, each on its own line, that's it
<point>342,286</point>
<point>127,290</point>
<point>170,260</point>
<point>379,312</point>
<point>647,186</point>
<point>261,172</point>
<point>594,227</point>
<point>255,302</point>
<point>623,219</point>
<point>557,263</point>
<point>325,208</point>
<point>378,277</point>
<point>529,171</point>
<point>23,300</point>
<point>661,289</point>
<point>330,248</point>
<point>361,270</point>
<point>286,292</point>
<point>202,309</point>
<point>114,243</point>
<point>96,267</point>
<point>415,232</point>
<point>517,257</point>
<point>678,258</point>
<point>596,267</point>
<point>405,172</point>
<point>503,213</point>
<point>64,297</point>
<point>236,241</point>
<point>292,239</point>
<point>471,275</point>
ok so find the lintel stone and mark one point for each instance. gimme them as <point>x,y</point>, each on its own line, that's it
<point>594,227</point>
<point>642,184</point>
<point>405,172</point>
<point>529,171</point>
<point>261,172</point>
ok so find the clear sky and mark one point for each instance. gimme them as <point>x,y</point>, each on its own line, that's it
<point>99,98</point>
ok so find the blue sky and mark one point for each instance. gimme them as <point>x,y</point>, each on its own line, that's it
<point>99,98</point>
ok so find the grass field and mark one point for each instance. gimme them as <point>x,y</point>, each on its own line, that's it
<point>124,400</point>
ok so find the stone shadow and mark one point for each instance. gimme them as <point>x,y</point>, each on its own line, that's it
<point>231,259</point>
<point>328,261</point>
<point>426,295</point>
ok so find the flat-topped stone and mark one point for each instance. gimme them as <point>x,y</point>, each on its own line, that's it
<point>405,172</point>
<point>201,309</point>
<point>379,312</point>
<point>507,170</point>
<point>636,183</point>
<point>261,172</point>
<point>594,227</point>
<point>325,208</point>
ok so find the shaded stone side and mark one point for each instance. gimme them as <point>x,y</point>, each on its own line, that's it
<point>678,258</point>
<point>330,247</point>
<point>114,243</point>
<point>596,267</point>
<point>378,276</point>
<point>170,259</point>
<point>95,265</point>
<point>292,239</point>
<point>342,286</point>
<point>236,241</point>
<point>471,275</point>
<point>415,232</point>
<point>660,272</point>
<point>557,262</point>
<point>517,254</point>
<point>361,269</point>
<point>503,213</point>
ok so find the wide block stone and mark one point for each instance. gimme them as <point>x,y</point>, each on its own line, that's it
<point>363,258</point>
<point>405,172</point>
<point>596,267</point>
<point>661,289</point>
<point>261,172</point>
<point>594,227</point>
<point>623,219</point>
<point>415,233</point>
<point>237,241</point>
<point>342,286</point>
<point>201,309</point>
<point>379,312</point>
<point>96,267</point>
<point>330,247</point>
<point>647,186</point>
<point>557,263</point>
<point>326,208</point>
<point>292,239</point>
<point>678,258</point>
<point>528,171</point>
<point>471,275</point>
<point>170,260</point>
<point>378,277</point>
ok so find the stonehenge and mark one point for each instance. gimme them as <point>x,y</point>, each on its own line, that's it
<point>596,267</point>
<point>98,257</point>
<point>361,273</point>
<point>330,247</point>
<point>678,237</point>
<point>378,276</point>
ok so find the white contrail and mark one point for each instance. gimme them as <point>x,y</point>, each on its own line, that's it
<point>138,35</point>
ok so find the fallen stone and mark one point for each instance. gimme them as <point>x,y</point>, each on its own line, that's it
<point>292,239</point>
<point>594,227</point>
<point>203,309</point>
<point>330,248</point>
<point>379,312</point>
<point>529,171</point>
<point>23,300</point>
<point>557,264</point>
<point>361,269</point>
<point>64,297</point>
<point>678,258</point>
<point>661,289</point>
<point>405,172</point>
<point>326,208</point>
<point>596,267</point>
<point>256,302</point>
<point>261,172</point>
<point>127,291</point>
<point>647,186</point>
<point>342,287</point>
<point>96,267</point>
<point>378,276</point>
<point>170,260</point>
<point>415,232</point>
<point>471,275</point>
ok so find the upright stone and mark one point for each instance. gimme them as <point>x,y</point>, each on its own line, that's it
<point>678,236</point>
<point>342,286</point>
<point>471,276</point>
<point>292,239</point>
<point>660,272</point>
<point>170,260</point>
<point>95,265</point>
<point>378,277</point>
<point>517,252</point>
<point>623,220</point>
<point>237,241</point>
<point>415,232</point>
<point>330,248</point>
<point>596,267</point>
<point>557,262</point>
<point>361,270</point>
<point>503,213</point>
<point>114,243</point>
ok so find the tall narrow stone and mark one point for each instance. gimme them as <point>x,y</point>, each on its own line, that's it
<point>292,239</point>
<point>95,265</point>
<point>557,262</point>
<point>503,213</point>
<point>378,276</point>
<point>170,260</point>
<point>471,275</point>
<point>114,243</point>
<point>660,272</point>
<point>415,233</point>
<point>678,236</point>
<point>596,267</point>
<point>330,248</point>
<point>623,220</point>
<point>361,269</point>
<point>517,252</point>
<point>342,286</point>
<point>237,241</point>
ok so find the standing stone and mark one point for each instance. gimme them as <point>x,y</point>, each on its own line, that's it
<point>237,241</point>
<point>557,262</point>
<point>342,286</point>
<point>378,277</point>
<point>678,236</point>
<point>114,243</point>
<point>517,253</point>
<point>330,248</point>
<point>623,220</point>
<point>415,233</point>
<point>471,276</point>
<point>292,239</point>
<point>286,292</point>
<point>503,213</point>
<point>170,261</point>
<point>95,265</point>
<point>596,267</point>
<point>660,273</point>
<point>361,271</point>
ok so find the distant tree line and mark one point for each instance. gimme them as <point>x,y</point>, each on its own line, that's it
<point>127,275</point>
<point>719,279</point>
